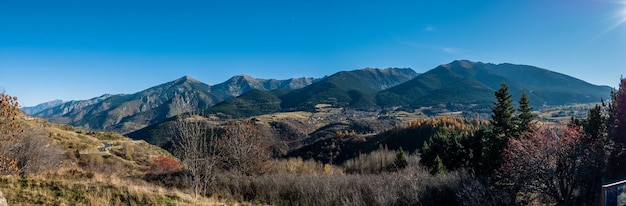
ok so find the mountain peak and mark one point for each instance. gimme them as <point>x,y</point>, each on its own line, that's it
<point>461,63</point>
<point>247,77</point>
<point>183,80</point>
<point>187,78</point>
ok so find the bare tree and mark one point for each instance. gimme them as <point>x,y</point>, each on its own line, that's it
<point>193,141</point>
<point>241,148</point>
<point>35,153</point>
<point>552,162</point>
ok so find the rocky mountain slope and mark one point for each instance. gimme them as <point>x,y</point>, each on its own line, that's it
<point>458,86</point>
<point>40,107</point>
<point>128,112</point>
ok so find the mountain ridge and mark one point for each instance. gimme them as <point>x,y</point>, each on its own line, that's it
<point>128,112</point>
<point>460,85</point>
<point>544,87</point>
<point>42,106</point>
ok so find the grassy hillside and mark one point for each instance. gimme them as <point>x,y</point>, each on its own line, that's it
<point>79,167</point>
<point>79,187</point>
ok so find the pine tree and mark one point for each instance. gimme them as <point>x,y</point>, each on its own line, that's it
<point>595,124</point>
<point>502,128</point>
<point>616,128</point>
<point>400,162</point>
<point>525,116</point>
<point>439,168</point>
<point>502,118</point>
<point>596,145</point>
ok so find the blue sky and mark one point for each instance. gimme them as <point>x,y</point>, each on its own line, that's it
<point>75,50</point>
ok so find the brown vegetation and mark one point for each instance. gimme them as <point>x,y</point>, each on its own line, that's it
<point>9,131</point>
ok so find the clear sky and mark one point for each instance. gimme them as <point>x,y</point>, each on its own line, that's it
<point>74,50</point>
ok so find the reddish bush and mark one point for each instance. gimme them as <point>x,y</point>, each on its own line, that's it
<point>553,162</point>
<point>163,164</point>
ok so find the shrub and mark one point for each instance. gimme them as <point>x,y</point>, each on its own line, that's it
<point>412,186</point>
<point>379,161</point>
<point>162,164</point>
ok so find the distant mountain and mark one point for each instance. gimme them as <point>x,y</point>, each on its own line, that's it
<point>354,88</point>
<point>241,84</point>
<point>255,102</point>
<point>129,112</point>
<point>40,107</point>
<point>466,82</point>
<point>457,86</point>
<point>460,86</point>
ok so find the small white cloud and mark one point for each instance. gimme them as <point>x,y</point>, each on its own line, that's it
<point>429,28</point>
<point>449,50</point>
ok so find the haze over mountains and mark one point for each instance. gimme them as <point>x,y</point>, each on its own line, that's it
<point>459,85</point>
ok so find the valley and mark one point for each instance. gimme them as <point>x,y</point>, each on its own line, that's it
<point>188,143</point>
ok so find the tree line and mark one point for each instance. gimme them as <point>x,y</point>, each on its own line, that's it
<point>523,161</point>
<point>513,159</point>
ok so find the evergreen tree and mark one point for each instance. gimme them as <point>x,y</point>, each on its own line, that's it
<point>451,147</point>
<point>400,162</point>
<point>502,117</point>
<point>595,124</point>
<point>525,116</point>
<point>439,168</point>
<point>596,143</point>
<point>475,144</point>
<point>502,128</point>
<point>616,128</point>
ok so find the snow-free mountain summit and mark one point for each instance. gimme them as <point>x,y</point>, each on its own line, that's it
<point>460,85</point>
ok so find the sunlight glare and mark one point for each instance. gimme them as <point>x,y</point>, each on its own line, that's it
<point>621,14</point>
<point>620,17</point>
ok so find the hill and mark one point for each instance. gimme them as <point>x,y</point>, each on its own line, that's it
<point>40,107</point>
<point>64,165</point>
<point>128,112</point>
<point>465,83</point>
<point>349,88</point>
<point>255,102</point>
<point>458,86</point>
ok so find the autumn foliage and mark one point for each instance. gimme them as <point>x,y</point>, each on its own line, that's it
<point>460,124</point>
<point>162,164</point>
<point>555,163</point>
<point>9,131</point>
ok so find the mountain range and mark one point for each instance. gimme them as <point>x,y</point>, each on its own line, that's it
<point>465,82</point>
<point>459,85</point>
<point>128,112</point>
<point>40,107</point>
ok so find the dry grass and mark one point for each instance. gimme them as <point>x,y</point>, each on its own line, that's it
<point>79,187</point>
<point>87,176</point>
<point>413,186</point>
<point>377,161</point>
<point>301,116</point>
<point>298,166</point>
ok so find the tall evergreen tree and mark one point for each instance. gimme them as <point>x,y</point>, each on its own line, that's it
<point>595,124</point>
<point>502,117</point>
<point>525,116</point>
<point>616,128</point>
<point>400,162</point>
<point>502,128</point>
<point>596,143</point>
